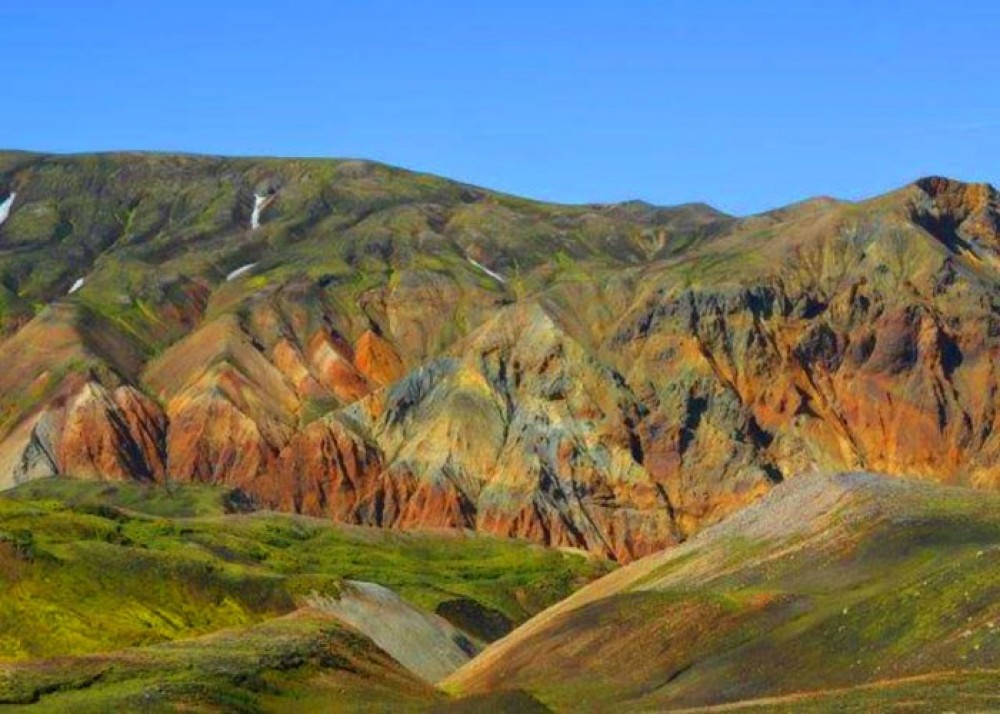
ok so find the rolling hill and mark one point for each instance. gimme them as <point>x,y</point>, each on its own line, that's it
<point>839,593</point>
<point>133,597</point>
<point>832,593</point>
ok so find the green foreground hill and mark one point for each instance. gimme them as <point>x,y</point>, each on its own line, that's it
<point>833,593</point>
<point>89,572</point>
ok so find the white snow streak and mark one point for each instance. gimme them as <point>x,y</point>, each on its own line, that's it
<point>486,270</point>
<point>75,286</point>
<point>6,206</point>
<point>258,205</point>
<point>240,271</point>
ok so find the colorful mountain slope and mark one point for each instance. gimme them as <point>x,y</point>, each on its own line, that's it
<point>388,348</point>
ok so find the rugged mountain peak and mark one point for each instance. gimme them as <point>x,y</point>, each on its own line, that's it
<point>955,192</point>
<point>971,211</point>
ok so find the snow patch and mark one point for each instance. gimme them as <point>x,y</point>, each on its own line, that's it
<point>6,206</point>
<point>258,206</point>
<point>486,270</point>
<point>75,286</point>
<point>240,271</point>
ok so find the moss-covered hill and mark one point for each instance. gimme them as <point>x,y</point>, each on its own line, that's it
<point>89,572</point>
<point>304,661</point>
<point>149,227</point>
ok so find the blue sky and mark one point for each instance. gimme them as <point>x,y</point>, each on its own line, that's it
<point>746,105</point>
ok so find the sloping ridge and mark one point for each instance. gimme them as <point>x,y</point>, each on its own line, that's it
<point>827,584</point>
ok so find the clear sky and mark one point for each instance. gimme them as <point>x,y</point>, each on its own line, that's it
<point>744,104</point>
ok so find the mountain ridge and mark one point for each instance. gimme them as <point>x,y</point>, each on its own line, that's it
<point>669,364</point>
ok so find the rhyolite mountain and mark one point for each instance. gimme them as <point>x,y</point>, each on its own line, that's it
<point>349,340</point>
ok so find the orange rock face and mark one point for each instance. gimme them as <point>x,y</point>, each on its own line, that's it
<point>290,362</point>
<point>113,434</point>
<point>211,441</point>
<point>325,469</point>
<point>332,360</point>
<point>377,360</point>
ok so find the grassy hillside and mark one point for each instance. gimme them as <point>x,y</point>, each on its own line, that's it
<point>300,662</point>
<point>843,593</point>
<point>832,594</point>
<point>89,567</point>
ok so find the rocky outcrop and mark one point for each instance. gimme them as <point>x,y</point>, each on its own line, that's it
<point>959,211</point>
<point>324,470</point>
<point>113,434</point>
<point>521,433</point>
<point>92,431</point>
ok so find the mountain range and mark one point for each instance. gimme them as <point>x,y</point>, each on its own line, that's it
<point>350,437</point>
<point>349,340</point>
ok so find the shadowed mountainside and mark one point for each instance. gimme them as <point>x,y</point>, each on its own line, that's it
<point>395,349</point>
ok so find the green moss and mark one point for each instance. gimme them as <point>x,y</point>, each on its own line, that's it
<point>116,565</point>
<point>282,665</point>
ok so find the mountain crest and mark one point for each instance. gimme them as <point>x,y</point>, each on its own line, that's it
<point>966,211</point>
